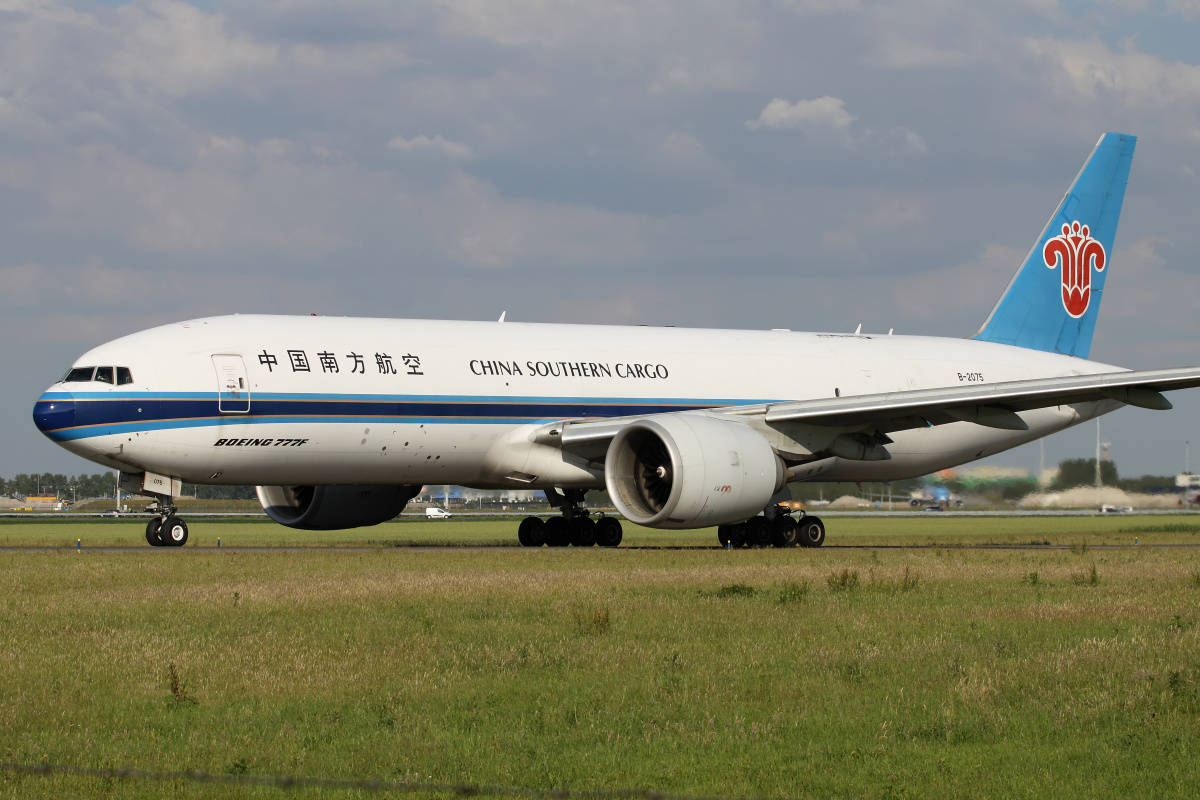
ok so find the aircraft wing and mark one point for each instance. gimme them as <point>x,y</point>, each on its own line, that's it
<point>991,405</point>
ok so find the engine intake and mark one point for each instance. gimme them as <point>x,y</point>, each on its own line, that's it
<point>690,471</point>
<point>334,508</point>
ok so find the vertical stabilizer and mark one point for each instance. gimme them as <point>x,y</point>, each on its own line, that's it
<point>1053,300</point>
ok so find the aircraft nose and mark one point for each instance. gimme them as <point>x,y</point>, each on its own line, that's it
<point>54,412</point>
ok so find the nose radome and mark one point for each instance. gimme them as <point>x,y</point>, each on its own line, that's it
<point>54,413</point>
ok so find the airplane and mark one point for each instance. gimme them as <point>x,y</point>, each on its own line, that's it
<point>339,422</point>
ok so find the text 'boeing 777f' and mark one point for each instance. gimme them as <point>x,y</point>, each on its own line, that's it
<point>339,422</point>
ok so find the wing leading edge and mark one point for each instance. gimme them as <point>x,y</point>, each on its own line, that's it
<point>990,405</point>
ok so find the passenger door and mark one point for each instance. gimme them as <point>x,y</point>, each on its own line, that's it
<point>233,386</point>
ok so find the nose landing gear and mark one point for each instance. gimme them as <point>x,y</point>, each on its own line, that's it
<point>166,530</point>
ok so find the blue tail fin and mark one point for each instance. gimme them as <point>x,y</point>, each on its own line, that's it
<point>1053,300</point>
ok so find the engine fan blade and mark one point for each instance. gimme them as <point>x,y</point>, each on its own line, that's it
<point>654,473</point>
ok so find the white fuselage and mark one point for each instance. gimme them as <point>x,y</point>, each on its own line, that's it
<point>283,400</point>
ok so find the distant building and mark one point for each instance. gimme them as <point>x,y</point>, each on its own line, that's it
<point>989,473</point>
<point>43,503</point>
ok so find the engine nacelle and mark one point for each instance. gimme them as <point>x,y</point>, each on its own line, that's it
<point>334,508</point>
<point>690,471</point>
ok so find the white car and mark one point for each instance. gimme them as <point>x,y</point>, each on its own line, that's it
<point>437,513</point>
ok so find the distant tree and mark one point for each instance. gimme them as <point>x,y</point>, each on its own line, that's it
<point>101,484</point>
<point>23,485</point>
<point>1150,484</point>
<point>807,492</point>
<point>1082,472</point>
<point>1015,490</point>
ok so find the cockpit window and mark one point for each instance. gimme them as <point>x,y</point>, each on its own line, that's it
<point>79,374</point>
<point>99,374</point>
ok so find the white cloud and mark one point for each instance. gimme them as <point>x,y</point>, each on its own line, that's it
<point>477,226</point>
<point>896,52</point>
<point>819,6</point>
<point>437,145</point>
<point>22,284</point>
<point>1188,9</point>
<point>975,285</point>
<point>682,145</point>
<point>1138,79</point>
<point>913,143</point>
<point>200,210</point>
<point>179,49</point>
<point>534,22</point>
<point>822,113</point>
<point>353,57</point>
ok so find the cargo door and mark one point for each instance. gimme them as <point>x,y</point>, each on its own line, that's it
<point>233,386</point>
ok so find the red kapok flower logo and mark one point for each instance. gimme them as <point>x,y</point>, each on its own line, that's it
<point>1078,254</point>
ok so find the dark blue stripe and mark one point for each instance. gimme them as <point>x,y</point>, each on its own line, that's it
<point>102,417</point>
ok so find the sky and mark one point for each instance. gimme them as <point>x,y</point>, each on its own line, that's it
<point>803,164</point>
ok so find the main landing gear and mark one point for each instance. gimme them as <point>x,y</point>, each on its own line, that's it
<point>574,527</point>
<point>775,528</point>
<point>166,530</point>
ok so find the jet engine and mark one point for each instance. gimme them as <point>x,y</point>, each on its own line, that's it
<point>689,471</point>
<point>333,508</point>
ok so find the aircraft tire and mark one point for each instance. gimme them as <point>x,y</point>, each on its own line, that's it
<point>557,532</point>
<point>812,532</point>
<point>758,532</point>
<point>784,531</point>
<point>725,534</point>
<point>174,532</point>
<point>583,532</point>
<point>737,535</point>
<point>153,532</point>
<point>608,532</point>
<point>531,532</point>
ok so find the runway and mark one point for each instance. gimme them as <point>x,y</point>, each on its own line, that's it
<point>291,548</point>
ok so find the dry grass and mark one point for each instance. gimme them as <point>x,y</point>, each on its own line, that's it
<point>943,672</point>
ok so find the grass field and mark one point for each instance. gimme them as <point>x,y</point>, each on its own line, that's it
<point>942,672</point>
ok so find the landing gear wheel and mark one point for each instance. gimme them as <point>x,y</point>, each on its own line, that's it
<point>784,531</point>
<point>812,532</point>
<point>557,532</point>
<point>531,532</point>
<point>758,532</point>
<point>725,534</point>
<point>153,531</point>
<point>608,532</point>
<point>737,535</point>
<point>174,532</point>
<point>583,532</point>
